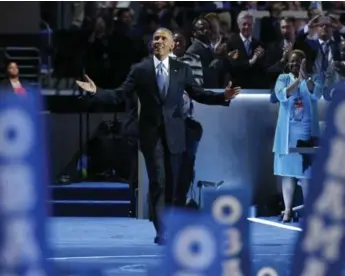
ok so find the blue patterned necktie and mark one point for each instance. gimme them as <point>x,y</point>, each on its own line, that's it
<point>161,80</point>
<point>248,47</point>
<point>325,50</point>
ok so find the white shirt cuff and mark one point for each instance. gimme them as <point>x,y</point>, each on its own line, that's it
<point>342,30</point>
<point>306,29</point>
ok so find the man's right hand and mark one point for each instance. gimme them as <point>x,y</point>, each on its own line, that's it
<point>286,52</point>
<point>313,22</point>
<point>88,86</point>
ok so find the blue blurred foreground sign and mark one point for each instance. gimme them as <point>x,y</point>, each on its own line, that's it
<point>23,184</point>
<point>320,247</point>
<point>229,209</point>
<point>193,245</point>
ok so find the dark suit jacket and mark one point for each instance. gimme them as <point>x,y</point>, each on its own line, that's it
<point>157,113</point>
<point>5,85</point>
<point>130,122</point>
<point>272,61</point>
<point>210,69</point>
<point>242,74</point>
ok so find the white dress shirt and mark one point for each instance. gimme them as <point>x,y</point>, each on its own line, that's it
<point>165,62</point>
<point>319,58</point>
<point>244,39</point>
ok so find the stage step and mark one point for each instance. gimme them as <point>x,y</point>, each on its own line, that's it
<point>94,191</point>
<point>91,199</point>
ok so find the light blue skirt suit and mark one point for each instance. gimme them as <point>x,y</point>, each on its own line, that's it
<point>294,123</point>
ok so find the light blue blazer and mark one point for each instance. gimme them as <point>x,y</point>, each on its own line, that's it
<point>281,138</point>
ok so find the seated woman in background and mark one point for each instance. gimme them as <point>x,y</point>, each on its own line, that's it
<point>12,81</point>
<point>297,120</point>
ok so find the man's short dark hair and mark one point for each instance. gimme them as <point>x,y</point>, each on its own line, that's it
<point>200,18</point>
<point>122,11</point>
<point>288,19</point>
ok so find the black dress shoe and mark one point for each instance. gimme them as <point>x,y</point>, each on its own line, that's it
<point>160,240</point>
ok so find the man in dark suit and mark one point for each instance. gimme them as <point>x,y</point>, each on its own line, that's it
<point>280,49</point>
<point>159,83</point>
<point>246,70</point>
<point>322,51</point>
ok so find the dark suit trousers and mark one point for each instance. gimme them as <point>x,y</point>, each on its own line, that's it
<point>163,170</point>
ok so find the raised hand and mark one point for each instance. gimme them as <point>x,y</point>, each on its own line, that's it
<point>303,70</point>
<point>88,86</point>
<point>233,54</point>
<point>286,52</point>
<point>313,22</point>
<point>335,22</point>
<point>231,92</point>
<point>259,52</point>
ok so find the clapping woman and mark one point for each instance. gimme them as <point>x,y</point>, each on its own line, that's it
<point>297,120</point>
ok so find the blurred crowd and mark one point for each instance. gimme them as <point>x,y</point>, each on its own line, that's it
<point>105,39</point>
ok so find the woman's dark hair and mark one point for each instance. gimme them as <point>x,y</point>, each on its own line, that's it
<point>7,64</point>
<point>299,53</point>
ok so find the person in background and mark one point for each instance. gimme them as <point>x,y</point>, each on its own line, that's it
<point>201,46</point>
<point>215,38</point>
<point>247,70</point>
<point>125,21</point>
<point>12,82</point>
<point>270,25</point>
<point>98,63</point>
<point>280,50</point>
<point>225,21</point>
<point>297,120</point>
<point>322,51</point>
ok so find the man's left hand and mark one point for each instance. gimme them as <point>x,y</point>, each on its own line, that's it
<point>231,92</point>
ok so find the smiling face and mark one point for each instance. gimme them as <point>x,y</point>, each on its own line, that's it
<point>246,26</point>
<point>162,43</point>
<point>12,70</point>
<point>295,63</point>
<point>179,44</point>
<point>202,31</point>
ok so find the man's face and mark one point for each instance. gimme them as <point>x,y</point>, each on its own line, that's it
<point>162,43</point>
<point>324,28</point>
<point>179,44</point>
<point>100,25</point>
<point>202,31</point>
<point>12,69</point>
<point>246,27</point>
<point>287,29</point>
<point>126,18</point>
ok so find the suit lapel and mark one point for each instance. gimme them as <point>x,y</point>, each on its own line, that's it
<point>154,90</point>
<point>173,69</point>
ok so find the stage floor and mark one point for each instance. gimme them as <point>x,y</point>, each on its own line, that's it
<point>124,246</point>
